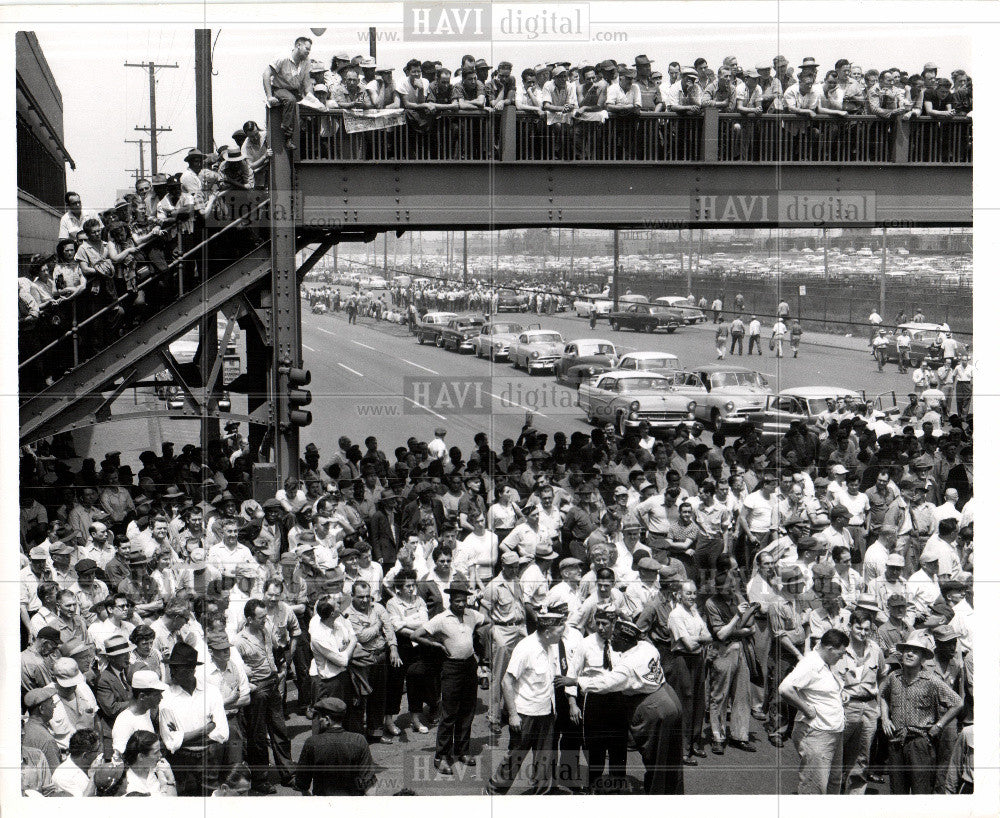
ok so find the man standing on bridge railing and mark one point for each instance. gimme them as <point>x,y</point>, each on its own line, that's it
<point>286,82</point>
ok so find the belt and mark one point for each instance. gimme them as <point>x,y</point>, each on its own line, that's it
<point>864,697</point>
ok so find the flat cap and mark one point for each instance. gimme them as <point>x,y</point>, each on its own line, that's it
<point>896,561</point>
<point>331,706</point>
<point>36,696</point>
<point>896,600</point>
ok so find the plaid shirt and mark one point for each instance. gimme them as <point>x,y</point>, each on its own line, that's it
<point>917,705</point>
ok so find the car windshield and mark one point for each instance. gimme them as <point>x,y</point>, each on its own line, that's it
<point>817,406</point>
<point>685,379</point>
<point>723,379</point>
<point>656,363</point>
<point>506,328</point>
<point>545,338</point>
<point>597,349</point>
<point>645,385</point>
<point>661,310</point>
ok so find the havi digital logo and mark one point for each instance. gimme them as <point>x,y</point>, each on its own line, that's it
<point>439,22</point>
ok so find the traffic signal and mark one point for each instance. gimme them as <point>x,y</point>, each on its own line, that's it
<point>292,397</point>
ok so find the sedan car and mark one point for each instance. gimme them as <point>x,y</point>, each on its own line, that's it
<point>662,362</point>
<point>646,318</point>
<point>495,338</point>
<point>806,404</point>
<point>459,332</point>
<point>509,301</point>
<point>428,328</point>
<point>734,394</point>
<point>583,359</point>
<point>689,311</point>
<point>626,399</point>
<point>923,344</point>
<point>536,349</point>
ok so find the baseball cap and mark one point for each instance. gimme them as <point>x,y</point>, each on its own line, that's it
<point>895,560</point>
<point>50,633</point>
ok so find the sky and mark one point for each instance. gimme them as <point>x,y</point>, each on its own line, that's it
<point>95,133</point>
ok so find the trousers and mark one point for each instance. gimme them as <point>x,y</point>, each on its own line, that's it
<point>458,706</point>
<point>503,638</point>
<point>265,726</point>
<point>688,681</point>
<point>859,730</point>
<point>821,759</point>
<point>729,686</point>
<point>605,738</point>
<point>536,737</point>
<point>912,766</point>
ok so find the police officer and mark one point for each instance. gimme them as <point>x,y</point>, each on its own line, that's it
<point>652,707</point>
<point>334,761</point>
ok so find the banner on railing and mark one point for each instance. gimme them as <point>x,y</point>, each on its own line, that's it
<point>360,121</point>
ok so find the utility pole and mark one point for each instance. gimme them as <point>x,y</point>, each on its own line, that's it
<point>465,258</point>
<point>881,280</point>
<point>142,155</point>
<point>153,130</point>
<point>614,275</point>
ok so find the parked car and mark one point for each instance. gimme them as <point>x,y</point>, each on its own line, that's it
<point>662,362</point>
<point>428,328</point>
<point>510,301</point>
<point>646,318</point>
<point>923,344</point>
<point>585,305</point>
<point>459,332</point>
<point>494,339</point>
<point>584,358</point>
<point>536,349</point>
<point>733,395</point>
<point>628,398</point>
<point>689,310</point>
<point>807,404</point>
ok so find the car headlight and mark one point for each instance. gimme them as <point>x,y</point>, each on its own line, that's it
<point>534,354</point>
<point>730,406</point>
<point>692,406</point>
<point>634,406</point>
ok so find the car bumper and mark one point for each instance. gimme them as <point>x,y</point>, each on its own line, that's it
<point>466,346</point>
<point>661,420</point>
<point>540,363</point>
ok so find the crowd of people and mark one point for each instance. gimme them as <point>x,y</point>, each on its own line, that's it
<point>563,96</point>
<point>596,592</point>
<point>111,270</point>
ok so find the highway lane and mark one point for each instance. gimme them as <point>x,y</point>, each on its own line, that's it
<point>366,377</point>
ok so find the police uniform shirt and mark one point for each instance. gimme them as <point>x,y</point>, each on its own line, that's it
<point>636,670</point>
<point>534,667</point>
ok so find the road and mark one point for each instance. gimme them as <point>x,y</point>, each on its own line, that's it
<point>368,377</point>
<point>408,763</point>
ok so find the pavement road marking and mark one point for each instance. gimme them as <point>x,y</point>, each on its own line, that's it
<point>327,331</point>
<point>421,406</point>
<point>507,402</point>
<point>418,366</point>
<point>358,343</point>
<point>352,371</point>
<point>308,347</point>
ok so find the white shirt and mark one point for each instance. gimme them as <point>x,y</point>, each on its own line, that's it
<point>753,328</point>
<point>534,585</point>
<point>477,551</point>
<point>126,724</point>
<point>523,539</point>
<point>760,511</point>
<point>533,667</point>
<point>437,449</point>
<point>874,564</point>
<point>816,683</point>
<point>70,224</point>
<point>181,712</point>
<point>225,561</point>
<point>70,778</point>
<point>338,642</point>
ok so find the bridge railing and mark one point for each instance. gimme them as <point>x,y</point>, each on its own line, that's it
<point>711,137</point>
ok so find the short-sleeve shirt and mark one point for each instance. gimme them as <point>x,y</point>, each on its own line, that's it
<point>411,93</point>
<point>534,667</point>
<point>457,641</point>
<point>461,92</point>
<point>794,98</point>
<point>287,75</point>
<point>689,624</point>
<point>919,704</point>
<point>818,685</point>
<point>619,96</point>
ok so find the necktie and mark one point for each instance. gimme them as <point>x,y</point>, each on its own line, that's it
<point>607,656</point>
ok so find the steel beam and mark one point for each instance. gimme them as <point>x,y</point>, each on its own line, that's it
<point>473,196</point>
<point>285,303</point>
